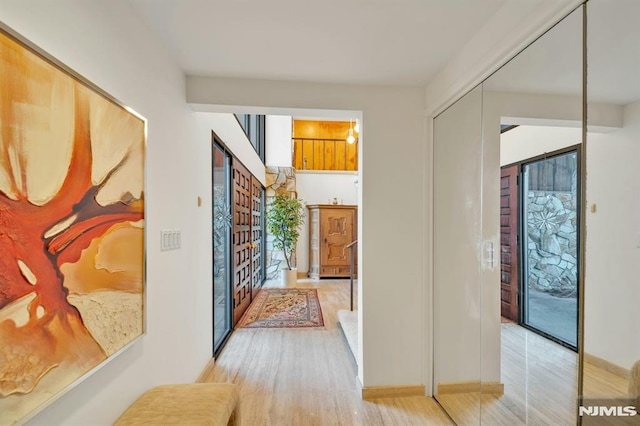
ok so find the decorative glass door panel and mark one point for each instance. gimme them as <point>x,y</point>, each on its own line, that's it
<point>222,223</point>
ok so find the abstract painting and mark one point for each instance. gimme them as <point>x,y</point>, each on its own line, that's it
<point>71,228</point>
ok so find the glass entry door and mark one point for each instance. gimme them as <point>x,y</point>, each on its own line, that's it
<point>222,223</point>
<point>550,222</point>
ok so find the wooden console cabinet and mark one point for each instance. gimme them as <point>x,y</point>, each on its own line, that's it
<point>331,229</point>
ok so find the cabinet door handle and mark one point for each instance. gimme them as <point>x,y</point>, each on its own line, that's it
<point>325,240</point>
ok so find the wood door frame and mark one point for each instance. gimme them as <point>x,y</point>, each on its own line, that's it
<point>256,286</point>
<point>514,241</point>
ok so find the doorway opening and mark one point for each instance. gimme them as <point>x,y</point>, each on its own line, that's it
<point>539,222</point>
<point>291,160</point>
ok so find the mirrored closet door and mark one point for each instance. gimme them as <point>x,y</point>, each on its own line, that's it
<point>612,245</point>
<point>532,129</point>
<point>507,229</point>
<point>553,211</point>
<point>457,266</point>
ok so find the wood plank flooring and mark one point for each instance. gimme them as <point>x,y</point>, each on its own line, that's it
<point>308,376</point>
<point>599,383</point>
<point>540,385</point>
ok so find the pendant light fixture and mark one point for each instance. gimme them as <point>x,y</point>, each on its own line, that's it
<point>356,128</point>
<point>350,139</point>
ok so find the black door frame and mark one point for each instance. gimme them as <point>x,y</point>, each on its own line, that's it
<point>521,243</point>
<point>217,143</point>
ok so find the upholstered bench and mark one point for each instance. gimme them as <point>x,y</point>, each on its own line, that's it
<point>214,404</point>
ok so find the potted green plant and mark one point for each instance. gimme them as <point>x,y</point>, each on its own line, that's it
<point>285,216</point>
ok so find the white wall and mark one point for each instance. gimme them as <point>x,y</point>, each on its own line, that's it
<point>227,128</point>
<point>525,142</point>
<point>612,290</point>
<point>278,149</point>
<point>106,43</point>
<point>390,218</point>
<point>321,188</point>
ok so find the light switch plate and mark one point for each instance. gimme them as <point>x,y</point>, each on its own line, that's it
<point>489,254</point>
<point>170,239</point>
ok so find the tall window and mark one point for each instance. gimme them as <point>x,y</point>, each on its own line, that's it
<point>254,127</point>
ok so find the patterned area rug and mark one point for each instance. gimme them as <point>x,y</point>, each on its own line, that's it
<point>284,308</point>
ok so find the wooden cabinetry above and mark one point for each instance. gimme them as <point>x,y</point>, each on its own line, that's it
<point>322,145</point>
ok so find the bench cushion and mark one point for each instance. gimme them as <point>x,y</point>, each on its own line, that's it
<point>189,404</point>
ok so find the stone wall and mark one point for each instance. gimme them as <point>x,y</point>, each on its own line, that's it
<point>280,180</point>
<point>552,242</point>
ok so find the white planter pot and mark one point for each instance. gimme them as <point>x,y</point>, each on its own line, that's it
<point>289,277</point>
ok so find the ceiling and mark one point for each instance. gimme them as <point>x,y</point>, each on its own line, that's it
<point>553,64</point>
<point>380,42</point>
<point>391,42</point>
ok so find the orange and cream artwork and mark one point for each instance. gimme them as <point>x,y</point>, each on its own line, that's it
<point>72,249</point>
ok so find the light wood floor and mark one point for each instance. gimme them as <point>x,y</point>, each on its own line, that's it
<point>308,376</point>
<point>539,379</point>
<point>599,383</point>
<point>540,385</point>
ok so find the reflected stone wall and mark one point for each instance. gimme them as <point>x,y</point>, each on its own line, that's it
<point>552,242</point>
<point>280,180</point>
